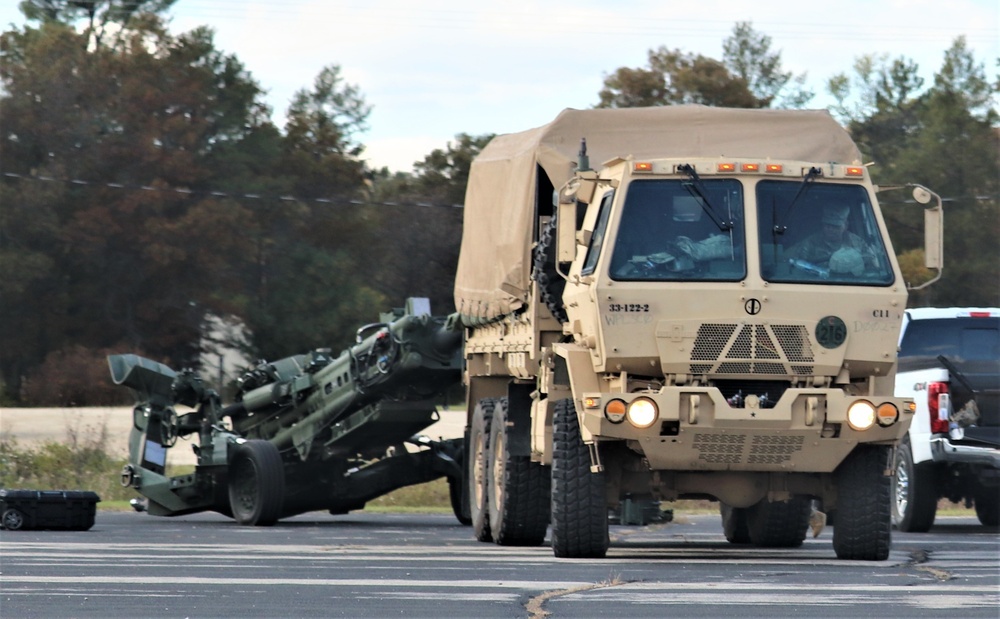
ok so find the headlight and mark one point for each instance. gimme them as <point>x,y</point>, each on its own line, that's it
<point>861,415</point>
<point>642,413</point>
<point>614,411</point>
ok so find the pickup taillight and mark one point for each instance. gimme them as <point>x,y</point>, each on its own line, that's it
<point>939,406</point>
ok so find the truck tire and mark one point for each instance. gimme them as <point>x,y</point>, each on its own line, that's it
<point>778,524</point>
<point>579,505</point>
<point>734,523</point>
<point>987,501</point>
<point>914,496</point>
<point>550,284</point>
<point>864,520</point>
<point>256,483</point>
<point>519,489</point>
<point>12,519</point>
<point>478,463</point>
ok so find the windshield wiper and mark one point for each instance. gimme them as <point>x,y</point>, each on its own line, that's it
<point>811,175</point>
<point>697,190</point>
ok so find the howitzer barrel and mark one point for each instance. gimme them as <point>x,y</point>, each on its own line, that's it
<point>411,358</point>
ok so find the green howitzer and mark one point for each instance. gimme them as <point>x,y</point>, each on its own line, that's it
<point>309,432</point>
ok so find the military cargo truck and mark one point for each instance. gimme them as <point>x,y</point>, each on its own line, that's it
<point>711,313</point>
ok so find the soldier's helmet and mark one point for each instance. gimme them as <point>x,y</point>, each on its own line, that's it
<point>847,260</point>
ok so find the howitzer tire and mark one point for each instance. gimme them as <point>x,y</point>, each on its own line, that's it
<point>256,483</point>
<point>914,496</point>
<point>864,496</point>
<point>987,505</point>
<point>12,519</point>
<point>455,496</point>
<point>478,463</point>
<point>778,524</point>
<point>519,489</point>
<point>734,523</point>
<point>579,504</point>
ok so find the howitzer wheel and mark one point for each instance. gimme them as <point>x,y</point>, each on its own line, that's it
<point>519,489</point>
<point>256,483</point>
<point>455,495</point>
<point>478,461</point>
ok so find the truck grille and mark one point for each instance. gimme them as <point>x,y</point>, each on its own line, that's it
<point>752,349</point>
<point>733,448</point>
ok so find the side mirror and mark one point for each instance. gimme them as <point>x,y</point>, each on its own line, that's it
<point>933,232</point>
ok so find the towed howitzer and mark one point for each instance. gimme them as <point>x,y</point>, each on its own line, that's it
<point>308,432</point>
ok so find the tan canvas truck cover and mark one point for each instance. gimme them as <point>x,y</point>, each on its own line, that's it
<point>494,266</point>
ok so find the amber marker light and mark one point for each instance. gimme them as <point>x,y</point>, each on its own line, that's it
<point>774,168</point>
<point>886,414</point>
<point>726,167</point>
<point>749,167</point>
<point>614,411</point>
<point>854,171</point>
<point>591,402</point>
<point>642,166</point>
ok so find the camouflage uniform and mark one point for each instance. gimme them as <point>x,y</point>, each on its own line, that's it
<point>817,250</point>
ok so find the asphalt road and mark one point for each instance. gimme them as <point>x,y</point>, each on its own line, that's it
<point>387,565</point>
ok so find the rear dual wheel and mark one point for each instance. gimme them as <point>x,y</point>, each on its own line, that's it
<point>518,489</point>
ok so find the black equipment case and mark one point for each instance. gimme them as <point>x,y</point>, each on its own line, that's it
<point>47,509</point>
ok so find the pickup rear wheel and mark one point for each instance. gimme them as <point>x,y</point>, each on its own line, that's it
<point>256,483</point>
<point>987,501</point>
<point>519,489</point>
<point>914,497</point>
<point>864,520</point>
<point>479,458</point>
<point>579,504</point>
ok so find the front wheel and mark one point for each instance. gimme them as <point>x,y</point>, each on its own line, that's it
<point>579,504</point>
<point>256,483</point>
<point>914,499</point>
<point>864,520</point>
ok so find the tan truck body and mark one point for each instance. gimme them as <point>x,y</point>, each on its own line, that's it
<point>751,372</point>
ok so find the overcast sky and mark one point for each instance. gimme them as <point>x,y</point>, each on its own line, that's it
<point>432,69</point>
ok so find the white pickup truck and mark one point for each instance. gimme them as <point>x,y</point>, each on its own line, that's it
<point>949,364</point>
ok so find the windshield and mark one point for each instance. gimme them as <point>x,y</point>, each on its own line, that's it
<point>825,235</point>
<point>666,233</point>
